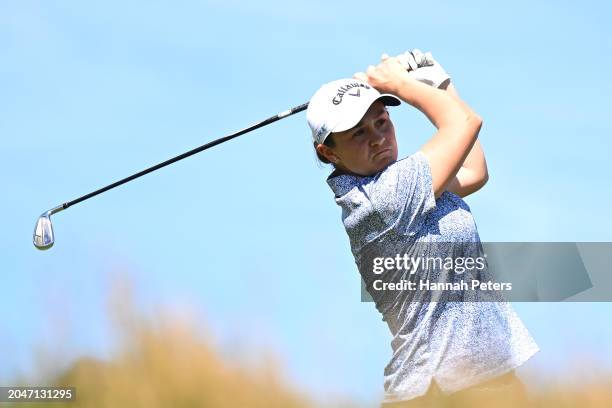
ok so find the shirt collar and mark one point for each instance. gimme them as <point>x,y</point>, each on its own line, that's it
<point>343,183</point>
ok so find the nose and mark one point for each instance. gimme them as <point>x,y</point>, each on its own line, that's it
<point>376,138</point>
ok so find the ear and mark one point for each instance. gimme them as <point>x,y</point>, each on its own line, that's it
<point>328,153</point>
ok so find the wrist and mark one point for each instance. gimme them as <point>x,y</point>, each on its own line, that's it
<point>393,83</point>
<point>411,91</point>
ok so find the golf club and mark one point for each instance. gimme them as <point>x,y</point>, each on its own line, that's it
<point>43,232</point>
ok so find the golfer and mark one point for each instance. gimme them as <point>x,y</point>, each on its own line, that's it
<point>463,350</point>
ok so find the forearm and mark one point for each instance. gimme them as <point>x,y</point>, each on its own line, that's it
<point>442,108</point>
<point>475,159</point>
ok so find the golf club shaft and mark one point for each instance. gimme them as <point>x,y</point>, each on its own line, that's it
<point>265,122</point>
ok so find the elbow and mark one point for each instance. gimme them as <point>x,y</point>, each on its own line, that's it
<point>476,117</point>
<point>475,122</point>
<point>485,179</point>
<point>476,185</point>
<point>474,127</point>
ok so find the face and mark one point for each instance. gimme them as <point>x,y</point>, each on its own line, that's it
<point>368,147</point>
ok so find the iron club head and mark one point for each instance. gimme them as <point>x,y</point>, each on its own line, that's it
<point>43,231</point>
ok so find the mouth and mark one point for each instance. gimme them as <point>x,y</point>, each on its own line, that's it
<point>382,151</point>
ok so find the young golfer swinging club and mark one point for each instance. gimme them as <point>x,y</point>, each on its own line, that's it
<point>462,350</point>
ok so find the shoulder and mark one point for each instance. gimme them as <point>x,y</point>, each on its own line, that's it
<point>417,159</point>
<point>405,171</point>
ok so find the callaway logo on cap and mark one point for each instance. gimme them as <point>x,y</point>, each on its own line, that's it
<point>339,105</point>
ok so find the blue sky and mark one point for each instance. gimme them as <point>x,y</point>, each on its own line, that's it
<point>247,235</point>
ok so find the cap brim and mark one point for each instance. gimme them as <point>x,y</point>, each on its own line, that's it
<point>387,99</point>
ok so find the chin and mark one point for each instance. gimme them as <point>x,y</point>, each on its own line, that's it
<point>388,159</point>
<point>381,165</point>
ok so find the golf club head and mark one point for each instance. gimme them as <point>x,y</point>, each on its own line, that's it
<point>43,231</point>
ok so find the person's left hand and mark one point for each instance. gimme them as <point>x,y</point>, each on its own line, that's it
<point>424,68</point>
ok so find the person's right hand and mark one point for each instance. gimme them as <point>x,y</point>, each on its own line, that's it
<point>386,77</point>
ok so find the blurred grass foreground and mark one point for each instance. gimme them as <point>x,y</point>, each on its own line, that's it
<point>168,363</point>
<point>170,366</point>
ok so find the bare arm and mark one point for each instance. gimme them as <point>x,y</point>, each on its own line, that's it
<point>448,149</point>
<point>473,174</point>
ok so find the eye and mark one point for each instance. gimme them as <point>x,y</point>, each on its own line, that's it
<point>358,133</point>
<point>381,122</point>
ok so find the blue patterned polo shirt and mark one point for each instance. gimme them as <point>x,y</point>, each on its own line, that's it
<point>457,344</point>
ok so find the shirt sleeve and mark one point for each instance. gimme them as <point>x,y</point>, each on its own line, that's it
<point>403,194</point>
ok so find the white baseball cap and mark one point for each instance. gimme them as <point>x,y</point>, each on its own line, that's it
<point>339,105</point>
